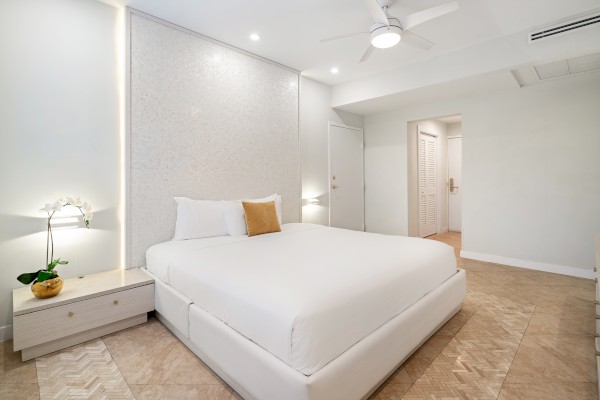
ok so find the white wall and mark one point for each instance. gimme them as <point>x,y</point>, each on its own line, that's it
<point>315,115</point>
<point>207,122</point>
<point>531,171</point>
<point>59,118</point>
<point>454,129</point>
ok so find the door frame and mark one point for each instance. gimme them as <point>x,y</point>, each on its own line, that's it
<point>329,180</point>
<point>437,177</point>
<point>448,179</point>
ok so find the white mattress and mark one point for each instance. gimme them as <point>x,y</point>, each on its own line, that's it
<point>308,293</point>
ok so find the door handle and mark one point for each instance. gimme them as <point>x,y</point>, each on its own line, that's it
<point>334,186</point>
<point>452,187</point>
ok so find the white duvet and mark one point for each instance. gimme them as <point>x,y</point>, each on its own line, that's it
<point>308,293</point>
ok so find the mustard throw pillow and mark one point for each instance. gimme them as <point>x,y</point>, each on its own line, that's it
<point>261,218</point>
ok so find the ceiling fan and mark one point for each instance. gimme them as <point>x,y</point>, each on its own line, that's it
<point>387,31</point>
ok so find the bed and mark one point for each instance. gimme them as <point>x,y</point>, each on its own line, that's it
<point>308,313</point>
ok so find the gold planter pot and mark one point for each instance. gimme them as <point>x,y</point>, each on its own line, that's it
<point>48,288</point>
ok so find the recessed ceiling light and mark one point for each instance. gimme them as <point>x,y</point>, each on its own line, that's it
<point>334,70</point>
<point>255,37</point>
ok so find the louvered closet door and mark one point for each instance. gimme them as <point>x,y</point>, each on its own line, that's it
<point>427,170</point>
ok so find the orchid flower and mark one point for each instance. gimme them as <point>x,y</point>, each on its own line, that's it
<point>84,208</point>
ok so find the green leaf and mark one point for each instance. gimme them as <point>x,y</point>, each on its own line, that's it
<point>44,275</point>
<point>56,262</point>
<point>28,277</point>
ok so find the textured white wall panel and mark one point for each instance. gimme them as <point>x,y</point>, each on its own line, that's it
<point>206,122</point>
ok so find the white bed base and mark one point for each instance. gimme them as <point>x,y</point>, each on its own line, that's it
<point>255,374</point>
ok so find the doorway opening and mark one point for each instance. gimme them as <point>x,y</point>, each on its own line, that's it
<point>435,176</point>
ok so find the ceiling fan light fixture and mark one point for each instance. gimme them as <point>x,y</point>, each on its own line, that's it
<point>383,36</point>
<point>385,40</point>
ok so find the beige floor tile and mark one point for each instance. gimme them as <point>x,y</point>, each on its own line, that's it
<point>503,278</point>
<point>557,305</point>
<point>428,388</point>
<point>392,391</point>
<point>455,323</point>
<point>473,365</point>
<point>564,320</point>
<point>140,351</point>
<point>499,318</point>
<point>181,392</point>
<point>500,299</point>
<point>554,358</point>
<point>400,376</point>
<point>19,391</point>
<point>549,391</point>
<point>181,366</point>
<point>12,369</point>
<point>424,356</point>
<point>481,266</point>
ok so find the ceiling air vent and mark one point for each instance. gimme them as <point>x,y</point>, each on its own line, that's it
<point>564,27</point>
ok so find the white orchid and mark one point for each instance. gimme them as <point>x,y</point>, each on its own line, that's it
<point>52,207</point>
<point>84,208</point>
<point>72,200</point>
<point>88,214</point>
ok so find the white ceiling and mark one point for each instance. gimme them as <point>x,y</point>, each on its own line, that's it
<point>290,30</point>
<point>481,47</point>
<point>452,119</point>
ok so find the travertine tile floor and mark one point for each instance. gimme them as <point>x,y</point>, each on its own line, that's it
<point>520,335</point>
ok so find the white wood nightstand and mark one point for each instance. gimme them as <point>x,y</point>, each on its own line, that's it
<point>87,308</point>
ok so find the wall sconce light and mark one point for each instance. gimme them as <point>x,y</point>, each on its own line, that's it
<point>65,222</point>
<point>310,202</point>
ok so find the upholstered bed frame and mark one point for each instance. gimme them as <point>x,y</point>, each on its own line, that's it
<point>256,374</point>
<point>185,142</point>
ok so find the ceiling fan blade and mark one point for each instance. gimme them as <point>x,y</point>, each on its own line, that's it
<point>419,17</point>
<point>413,39</point>
<point>376,11</point>
<point>342,36</point>
<point>367,53</point>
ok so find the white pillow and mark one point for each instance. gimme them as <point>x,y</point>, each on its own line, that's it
<point>198,219</point>
<point>235,219</point>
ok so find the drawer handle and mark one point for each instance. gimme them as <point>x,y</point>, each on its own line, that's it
<point>71,313</point>
<point>115,302</point>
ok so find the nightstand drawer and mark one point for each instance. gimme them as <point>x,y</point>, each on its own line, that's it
<point>58,322</point>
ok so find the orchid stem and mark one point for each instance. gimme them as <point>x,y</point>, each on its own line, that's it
<point>51,243</point>
<point>48,240</point>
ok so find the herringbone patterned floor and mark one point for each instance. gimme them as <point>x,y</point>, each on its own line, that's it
<point>492,353</point>
<point>521,335</point>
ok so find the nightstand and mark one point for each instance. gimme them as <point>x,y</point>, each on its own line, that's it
<point>88,307</point>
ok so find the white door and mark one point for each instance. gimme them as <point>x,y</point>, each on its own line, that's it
<point>427,170</point>
<point>346,188</point>
<point>454,184</point>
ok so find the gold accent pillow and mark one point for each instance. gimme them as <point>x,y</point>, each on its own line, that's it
<point>261,218</point>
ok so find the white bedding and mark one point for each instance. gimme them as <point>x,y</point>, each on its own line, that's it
<point>308,293</point>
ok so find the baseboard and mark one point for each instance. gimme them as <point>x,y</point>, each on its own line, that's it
<point>537,266</point>
<point>444,230</point>
<point>6,332</point>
